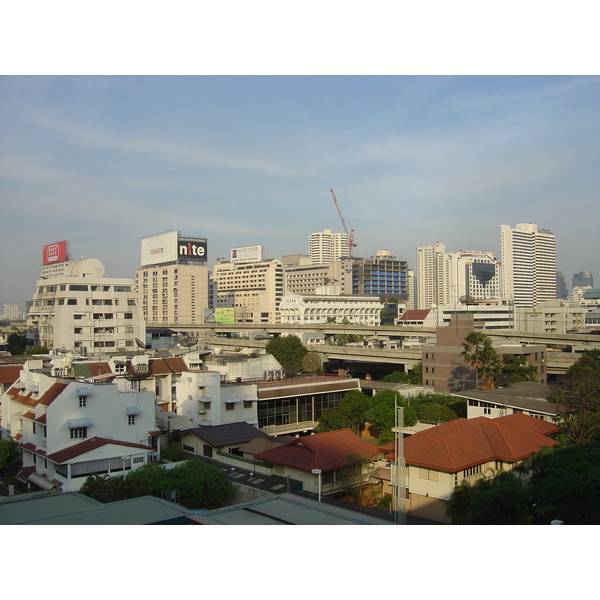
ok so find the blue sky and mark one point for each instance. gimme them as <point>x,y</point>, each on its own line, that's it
<point>101,161</point>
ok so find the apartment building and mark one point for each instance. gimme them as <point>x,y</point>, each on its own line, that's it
<point>529,264</point>
<point>305,278</point>
<point>450,278</point>
<point>382,275</point>
<point>85,312</point>
<point>327,246</point>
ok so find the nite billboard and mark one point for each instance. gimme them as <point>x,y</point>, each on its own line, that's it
<point>170,247</point>
<point>54,253</point>
<point>247,254</point>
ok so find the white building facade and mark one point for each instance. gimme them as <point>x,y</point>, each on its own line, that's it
<point>85,312</point>
<point>69,429</point>
<point>327,246</point>
<point>529,264</point>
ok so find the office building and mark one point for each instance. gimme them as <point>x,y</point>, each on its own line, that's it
<point>172,282</point>
<point>529,264</point>
<point>382,275</point>
<point>561,286</point>
<point>583,279</point>
<point>305,278</point>
<point>85,312</point>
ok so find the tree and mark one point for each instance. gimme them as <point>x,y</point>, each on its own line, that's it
<point>482,357</point>
<point>332,419</point>
<point>354,479</point>
<point>565,484</point>
<point>578,399</point>
<point>397,377</point>
<point>381,414</point>
<point>354,405</point>
<point>287,349</point>
<point>10,459</point>
<point>434,412</point>
<point>16,342</point>
<point>460,505</point>
<point>515,369</point>
<point>416,374</point>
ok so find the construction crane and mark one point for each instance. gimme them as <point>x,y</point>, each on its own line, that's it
<point>350,233</point>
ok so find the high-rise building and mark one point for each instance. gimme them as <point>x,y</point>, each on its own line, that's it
<point>382,275</point>
<point>327,246</point>
<point>450,278</point>
<point>583,279</point>
<point>172,282</point>
<point>529,264</point>
<point>561,286</point>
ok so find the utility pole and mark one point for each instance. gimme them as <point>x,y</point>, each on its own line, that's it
<point>399,466</point>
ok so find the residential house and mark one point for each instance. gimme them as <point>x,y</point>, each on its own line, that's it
<point>440,458</point>
<point>320,461</point>
<point>70,429</point>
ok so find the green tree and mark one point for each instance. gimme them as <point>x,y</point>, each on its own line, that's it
<point>10,460</point>
<point>287,350</point>
<point>460,506</point>
<point>381,414</point>
<point>501,500</point>
<point>479,353</point>
<point>332,419</point>
<point>516,369</point>
<point>565,484</point>
<point>397,377</point>
<point>416,374</point>
<point>354,405</point>
<point>434,412</point>
<point>173,453</point>
<point>578,399</point>
<point>16,342</point>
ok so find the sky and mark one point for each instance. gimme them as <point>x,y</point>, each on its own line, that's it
<point>101,161</point>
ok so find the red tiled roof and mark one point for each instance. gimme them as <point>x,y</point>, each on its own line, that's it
<point>10,374</point>
<point>88,446</point>
<point>164,366</point>
<point>464,443</point>
<point>414,315</point>
<point>29,415</point>
<point>46,399</point>
<point>325,451</point>
<point>99,368</point>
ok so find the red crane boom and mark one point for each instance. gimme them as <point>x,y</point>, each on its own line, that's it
<point>350,233</point>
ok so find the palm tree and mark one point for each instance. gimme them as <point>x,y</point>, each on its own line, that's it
<point>480,355</point>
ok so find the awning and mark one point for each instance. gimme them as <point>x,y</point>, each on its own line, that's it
<point>43,483</point>
<point>231,400</point>
<point>84,392</point>
<point>33,388</point>
<point>206,423</point>
<point>132,410</point>
<point>77,423</point>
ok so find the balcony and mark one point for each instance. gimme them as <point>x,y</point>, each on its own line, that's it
<point>289,428</point>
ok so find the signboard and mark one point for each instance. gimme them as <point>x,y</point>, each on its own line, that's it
<point>170,247</point>
<point>54,253</point>
<point>247,254</point>
<point>225,315</point>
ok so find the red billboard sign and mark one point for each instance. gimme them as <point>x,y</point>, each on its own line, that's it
<point>54,253</point>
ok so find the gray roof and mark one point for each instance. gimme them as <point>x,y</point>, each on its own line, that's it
<point>527,395</point>
<point>229,434</point>
<point>72,508</point>
<point>285,509</point>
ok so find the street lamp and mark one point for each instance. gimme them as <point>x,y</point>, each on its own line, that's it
<point>318,472</point>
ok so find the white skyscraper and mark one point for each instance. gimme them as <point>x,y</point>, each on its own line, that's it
<point>449,278</point>
<point>529,264</point>
<point>327,246</point>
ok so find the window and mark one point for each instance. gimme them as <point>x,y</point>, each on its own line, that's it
<point>472,471</point>
<point>78,433</point>
<point>82,401</point>
<point>72,301</point>
<point>130,419</point>
<point>229,406</point>
<point>138,459</point>
<point>247,403</point>
<point>128,315</point>
<point>207,450</point>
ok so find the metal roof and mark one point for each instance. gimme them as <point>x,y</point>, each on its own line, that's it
<point>72,508</point>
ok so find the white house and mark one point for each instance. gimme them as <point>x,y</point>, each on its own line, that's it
<point>69,429</point>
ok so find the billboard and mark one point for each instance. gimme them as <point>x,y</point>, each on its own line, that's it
<point>171,247</point>
<point>54,253</point>
<point>247,254</point>
<point>225,315</point>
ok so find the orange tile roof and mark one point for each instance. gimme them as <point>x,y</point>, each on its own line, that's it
<point>464,443</point>
<point>46,399</point>
<point>88,446</point>
<point>164,366</point>
<point>414,315</point>
<point>10,374</point>
<point>325,451</point>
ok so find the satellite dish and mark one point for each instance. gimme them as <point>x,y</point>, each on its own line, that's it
<point>140,343</point>
<point>188,342</point>
<point>311,362</point>
<point>291,367</point>
<point>138,372</point>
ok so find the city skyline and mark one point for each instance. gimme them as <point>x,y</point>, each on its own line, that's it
<point>244,160</point>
